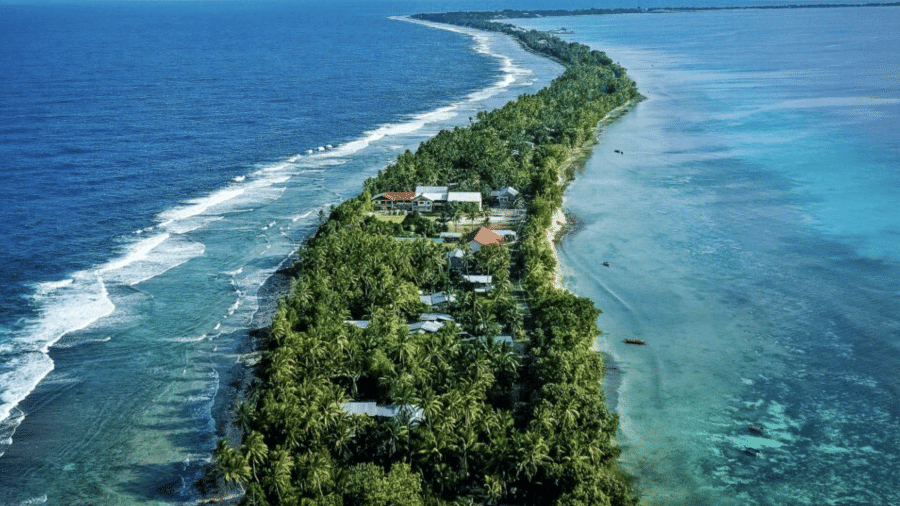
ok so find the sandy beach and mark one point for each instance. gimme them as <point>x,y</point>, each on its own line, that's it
<point>554,234</point>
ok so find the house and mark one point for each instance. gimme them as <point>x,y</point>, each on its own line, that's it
<point>438,240</point>
<point>518,347</point>
<point>504,339</point>
<point>481,284</point>
<point>505,197</point>
<point>451,236</point>
<point>465,197</point>
<point>389,201</point>
<point>428,326</point>
<point>483,237</point>
<point>404,412</point>
<point>436,194</point>
<point>506,235</point>
<point>433,317</point>
<point>437,298</point>
<point>425,199</point>
<point>457,258</point>
<point>423,203</point>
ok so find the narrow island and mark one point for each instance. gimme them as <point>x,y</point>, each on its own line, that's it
<point>425,353</point>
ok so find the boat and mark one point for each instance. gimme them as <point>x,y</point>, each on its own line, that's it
<point>635,341</point>
<point>756,429</point>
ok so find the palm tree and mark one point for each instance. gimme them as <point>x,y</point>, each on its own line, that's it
<point>255,450</point>
<point>532,453</point>
<point>320,467</point>
<point>455,214</point>
<point>472,214</point>
<point>246,415</point>
<point>486,214</point>
<point>431,406</point>
<point>280,475</point>
<point>395,435</point>
<point>232,464</point>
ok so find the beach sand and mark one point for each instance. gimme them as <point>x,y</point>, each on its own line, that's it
<point>554,234</point>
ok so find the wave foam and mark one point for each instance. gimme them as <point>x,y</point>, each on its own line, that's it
<point>19,377</point>
<point>198,206</point>
<point>71,304</point>
<point>511,74</point>
<point>70,307</point>
<point>66,344</point>
<point>42,499</point>
<point>64,306</point>
<point>139,252</point>
<point>150,258</point>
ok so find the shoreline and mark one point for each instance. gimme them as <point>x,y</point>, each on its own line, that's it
<point>564,223</point>
<point>237,379</point>
<point>558,228</point>
<point>569,153</point>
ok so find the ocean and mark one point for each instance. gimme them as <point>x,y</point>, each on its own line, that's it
<point>748,213</point>
<point>161,160</point>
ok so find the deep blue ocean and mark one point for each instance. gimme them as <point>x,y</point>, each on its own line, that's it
<point>159,161</point>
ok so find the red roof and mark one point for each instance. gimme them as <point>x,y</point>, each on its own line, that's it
<point>486,236</point>
<point>398,195</point>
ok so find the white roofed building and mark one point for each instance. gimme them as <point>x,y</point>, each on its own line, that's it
<point>435,193</point>
<point>437,298</point>
<point>430,326</point>
<point>408,413</point>
<point>464,197</point>
<point>505,197</point>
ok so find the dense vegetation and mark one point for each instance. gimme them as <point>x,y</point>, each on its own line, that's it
<point>479,19</point>
<point>480,420</point>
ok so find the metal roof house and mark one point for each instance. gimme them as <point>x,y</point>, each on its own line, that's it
<point>480,284</point>
<point>506,235</point>
<point>363,324</point>
<point>430,198</point>
<point>432,317</point>
<point>464,197</point>
<point>456,258</point>
<point>437,298</point>
<point>406,412</point>
<point>427,326</point>
<point>505,197</point>
<point>424,199</point>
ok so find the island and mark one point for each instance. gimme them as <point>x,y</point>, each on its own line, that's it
<point>426,353</point>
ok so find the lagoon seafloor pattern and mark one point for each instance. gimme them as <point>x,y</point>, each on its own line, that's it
<point>160,162</point>
<point>748,213</point>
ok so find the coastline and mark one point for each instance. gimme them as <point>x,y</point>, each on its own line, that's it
<point>555,234</point>
<point>562,223</point>
<point>346,223</point>
<point>236,382</point>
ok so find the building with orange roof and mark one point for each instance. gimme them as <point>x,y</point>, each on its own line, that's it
<point>389,201</point>
<point>483,237</point>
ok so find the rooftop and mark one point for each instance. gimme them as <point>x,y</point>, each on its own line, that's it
<point>396,195</point>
